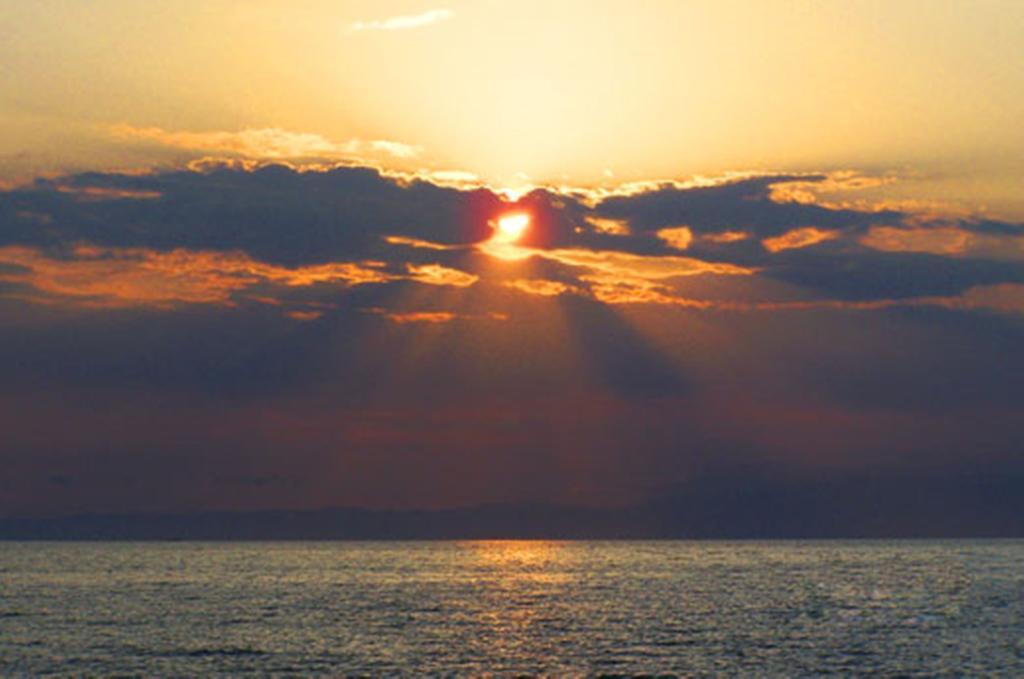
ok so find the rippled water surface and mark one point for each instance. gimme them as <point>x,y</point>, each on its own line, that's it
<point>776,608</point>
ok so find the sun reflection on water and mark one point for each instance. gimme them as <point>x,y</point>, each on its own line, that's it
<point>513,561</point>
<point>524,587</point>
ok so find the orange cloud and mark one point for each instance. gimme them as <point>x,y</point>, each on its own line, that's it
<point>126,277</point>
<point>107,193</point>
<point>115,277</point>
<point>133,278</point>
<point>936,241</point>
<point>810,192</point>
<point>678,237</point>
<point>304,315</point>
<point>798,238</point>
<point>641,266</point>
<point>432,317</point>
<point>435,274</point>
<point>422,317</point>
<point>725,237</point>
<point>617,290</point>
<point>615,227</point>
<point>267,142</point>
<point>417,243</point>
<point>538,286</point>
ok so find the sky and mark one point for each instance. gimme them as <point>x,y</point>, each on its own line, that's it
<point>415,255</point>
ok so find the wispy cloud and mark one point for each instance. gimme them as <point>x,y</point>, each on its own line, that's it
<point>403,22</point>
<point>798,238</point>
<point>270,142</point>
<point>140,277</point>
<point>403,318</point>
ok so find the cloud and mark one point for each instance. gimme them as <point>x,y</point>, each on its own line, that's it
<point>436,274</point>
<point>399,23</point>
<point>745,205</point>
<point>420,317</point>
<point>1004,297</point>
<point>417,243</point>
<point>611,289</point>
<point>127,277</point>
<point>433,317</point>
<point>272,213</point>
<point>678,237</point>
<point>725,237</point>
<point>538,286</point>
<point>797,238</point>
<point>265,143</point>
<point>641,266</point>
<point>615,227</point>
<point>304,315</point>
<point>239,229</point>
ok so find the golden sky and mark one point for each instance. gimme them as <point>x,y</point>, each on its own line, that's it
<point>520,92</point>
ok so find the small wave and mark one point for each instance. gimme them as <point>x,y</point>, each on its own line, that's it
<point>673,643</point>
<point>222,652</point>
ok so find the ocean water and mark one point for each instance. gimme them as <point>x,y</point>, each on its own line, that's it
<point>537,608</point>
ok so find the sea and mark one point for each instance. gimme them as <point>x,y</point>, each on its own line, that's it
<point>512,608</point>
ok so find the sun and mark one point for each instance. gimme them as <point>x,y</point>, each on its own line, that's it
<point>508,229</point>
<point>511,227</point>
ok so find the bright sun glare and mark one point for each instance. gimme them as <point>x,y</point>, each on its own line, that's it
<point>511,227</point>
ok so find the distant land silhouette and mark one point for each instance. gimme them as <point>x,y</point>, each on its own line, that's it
<point>983,505</point>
